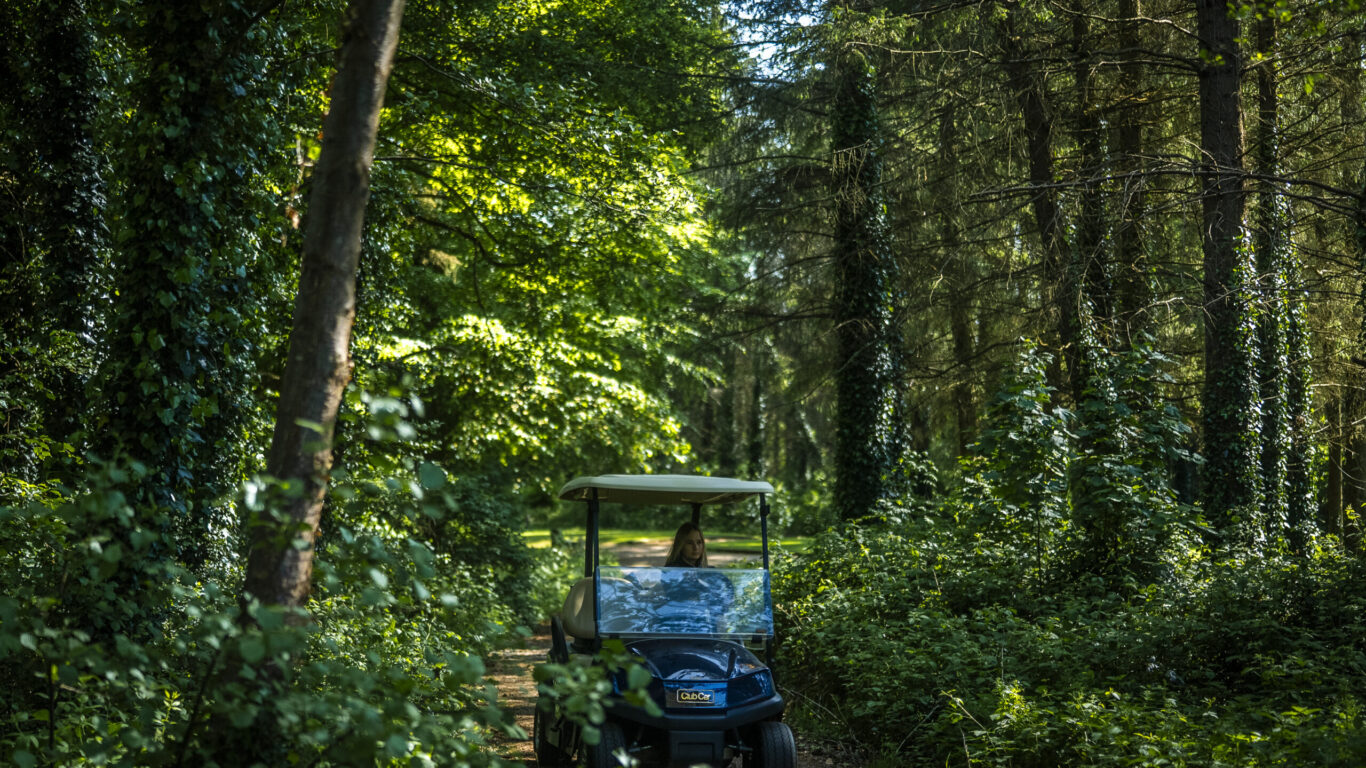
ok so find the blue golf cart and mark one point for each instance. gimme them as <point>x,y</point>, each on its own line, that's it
<point>704,634</point>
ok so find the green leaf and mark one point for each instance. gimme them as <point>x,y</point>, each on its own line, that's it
<point>132,738</point>
<point>433,478</point>
<point>638,677</point>
<point>396,745</point>
<point>253,649</point>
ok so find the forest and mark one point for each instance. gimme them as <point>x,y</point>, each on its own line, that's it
<point>1046,319</point>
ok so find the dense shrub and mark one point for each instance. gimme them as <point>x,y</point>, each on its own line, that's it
<point>910,643</point>
<point>111,653</point>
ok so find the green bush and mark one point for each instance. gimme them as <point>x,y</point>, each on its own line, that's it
<point>112,653</point>
<point>554,570</point>
<point>913,644</point>
<point>1058,608</point>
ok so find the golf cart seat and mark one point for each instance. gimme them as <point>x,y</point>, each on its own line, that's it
<point>577,613</point>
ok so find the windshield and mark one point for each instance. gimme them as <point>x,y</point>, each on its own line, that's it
<point>684,601</point>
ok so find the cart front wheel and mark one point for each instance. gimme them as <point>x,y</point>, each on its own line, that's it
<point>604,755</point>
<point>774,746</point>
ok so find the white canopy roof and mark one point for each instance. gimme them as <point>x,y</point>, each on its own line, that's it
<point>662,489</point>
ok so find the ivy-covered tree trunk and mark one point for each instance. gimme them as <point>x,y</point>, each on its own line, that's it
<point>61,121</point>
<point>863,307</point>
<point>51,232</point>
<point>280,563</point>
<point>1232,483</point>
<point>175,383</point>
<point>1283,338</point>
<point>1302,449</point>
<point>1269,245</point>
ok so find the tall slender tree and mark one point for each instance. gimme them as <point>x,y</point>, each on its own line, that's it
<point>865,267</point>
<point>1131,271</point>
<point>280,563</point>
<point>1270,246</point>
<point>960,287</point>
<point>1061,284</point>
<point>1232,482</point>
<point>52,236</point>
<point>1089,266</point>
<point>1351,466</point>
<point>1283,344</point>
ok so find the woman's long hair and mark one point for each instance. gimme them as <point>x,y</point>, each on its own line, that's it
<point>675,557</point>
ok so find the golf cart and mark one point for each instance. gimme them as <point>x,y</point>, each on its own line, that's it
<point>704,634</point>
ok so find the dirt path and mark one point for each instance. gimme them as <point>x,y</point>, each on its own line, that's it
<point>510,670</point>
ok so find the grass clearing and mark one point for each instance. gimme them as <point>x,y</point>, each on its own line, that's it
<point>539,538</point>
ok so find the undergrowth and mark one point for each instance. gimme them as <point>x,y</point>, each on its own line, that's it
<point>1060,606</point>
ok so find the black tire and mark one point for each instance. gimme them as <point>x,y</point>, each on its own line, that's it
<point>547,755</point>
<point>774,746</point>
<point>604,754</point>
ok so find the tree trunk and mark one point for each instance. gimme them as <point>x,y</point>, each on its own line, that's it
<point>174,378</point>
<point>1269,251</point>
<point>73,232</point>
<point>960,291</point>
<point>1330,512</point>
<point>755,439</point>
<point>1131,270</point>
<point>51,230</point>
<point>1061,288</point>
<point>726,457</point>
<point>1232,485</point>
<point>67,165</point>
<point>1355,470</point>
<point>280,565</point>
<point>1354,465</point>
<point>1089,265</point>
<point>867,337</point>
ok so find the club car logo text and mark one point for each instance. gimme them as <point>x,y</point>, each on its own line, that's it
<point>695,697</point>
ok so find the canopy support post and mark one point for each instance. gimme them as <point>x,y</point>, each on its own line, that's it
<point>697,514</point>
<point>590,548</point>
<point>763,525</point>
<point>591,557</point>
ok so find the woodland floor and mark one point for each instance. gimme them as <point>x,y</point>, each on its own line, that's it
<point>510,669</point>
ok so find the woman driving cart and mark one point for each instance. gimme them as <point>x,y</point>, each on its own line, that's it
<point>689,549</point>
